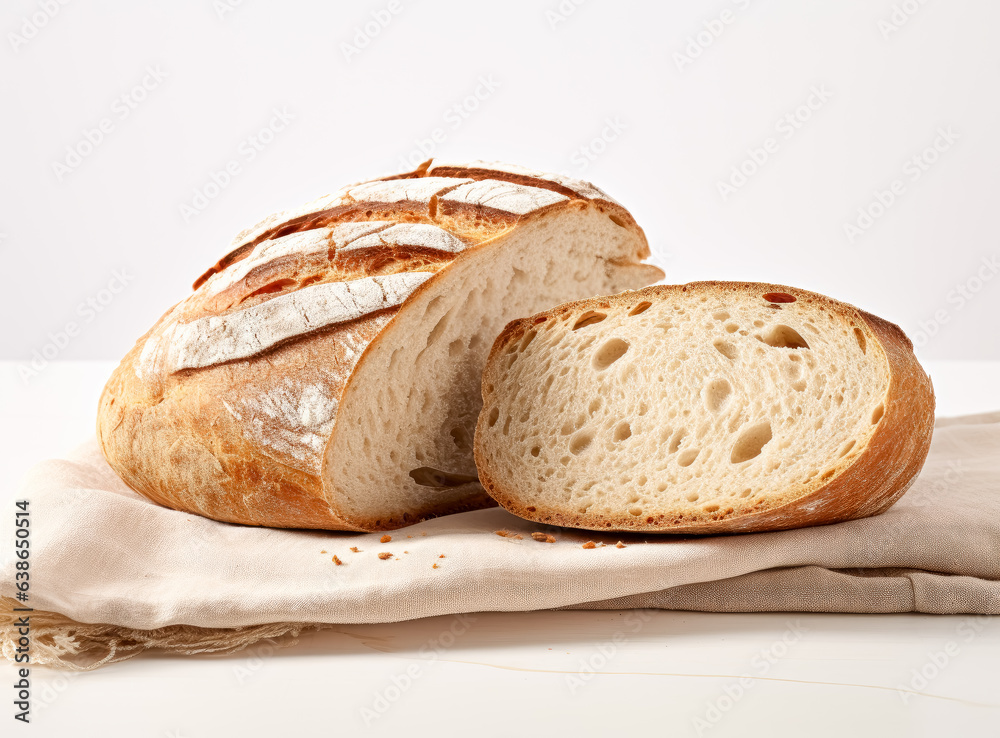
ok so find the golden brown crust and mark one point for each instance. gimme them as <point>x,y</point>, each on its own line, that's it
<point>185,438</point>
<point>865,485</point>
<point>476,222</point>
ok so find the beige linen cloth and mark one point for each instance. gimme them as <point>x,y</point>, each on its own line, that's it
<point>113,574</point>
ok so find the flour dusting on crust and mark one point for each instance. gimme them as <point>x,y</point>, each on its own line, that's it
<point>292,421</point>
<point>239,335</point>
<point>506,196</point>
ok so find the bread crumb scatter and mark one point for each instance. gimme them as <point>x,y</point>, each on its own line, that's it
<point>385,555</point>
<point>355,549</point>
<point>385,539</point>
<point>590,544</point>
<point>619,545</point>
<point>337,561</point>
<point>543,537</point>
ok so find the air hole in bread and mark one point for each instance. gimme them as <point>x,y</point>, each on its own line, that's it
<point>426,476</point>
<point>617,221</point>
<point>846,449</point>
<point>859,336</point>
<point>687,457</point>
<point>494,415</point>
<point>622,431</point>
<point>608,353</point>
<point>716,394</point>
<point>675,442</point>
<point>783,336</point>
<point>461,438</point>
<point>780,297</point>
<point>535,450</point>
<point>732,327</point>
<point>725,348</point>
<point>721,315</point>
<point>528,338</point>
<point>710,508</point>
<point>580,442</point>
<point>877,413</point>
<point>640,308</point>
<point>588,318</point>
<point>751,442</point>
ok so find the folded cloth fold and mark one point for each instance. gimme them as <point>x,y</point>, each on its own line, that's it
<point>145,576</point>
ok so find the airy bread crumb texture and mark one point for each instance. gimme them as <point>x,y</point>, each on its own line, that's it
<point>675,406</point>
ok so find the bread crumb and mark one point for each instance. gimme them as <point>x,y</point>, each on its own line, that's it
<point>385,555</point>
<point>406,552</point>
<point>409,536</point>
<point>590,544</point>
<point>423,534</point>
<point>441,556</point>
<point>355,549</point>
<point>619,545</point>
<point>323,552</point>
<point>385,539</point>
<point>503,533</point>
<point>336,560</point>
<point>543,537</point>
<point>518,537</point>
<point>435,566</point>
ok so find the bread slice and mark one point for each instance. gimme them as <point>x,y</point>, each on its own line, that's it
<point>325,373</point>
<point>702,408</point>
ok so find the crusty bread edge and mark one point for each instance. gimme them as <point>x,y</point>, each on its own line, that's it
<point>877,477</point>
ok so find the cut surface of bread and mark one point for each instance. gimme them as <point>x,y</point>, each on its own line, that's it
<point>702,408</point>
<point>325,373</point>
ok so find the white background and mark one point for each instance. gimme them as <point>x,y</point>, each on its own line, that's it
<point>557,74</point>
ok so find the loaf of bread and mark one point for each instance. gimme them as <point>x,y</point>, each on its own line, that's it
<point>711,407</point>
<point>325,373</point>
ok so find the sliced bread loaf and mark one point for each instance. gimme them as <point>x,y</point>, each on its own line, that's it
<point>702,408</point>
<point>325,373</point>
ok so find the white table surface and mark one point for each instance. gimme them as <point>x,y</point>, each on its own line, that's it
<point>543,673</point>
